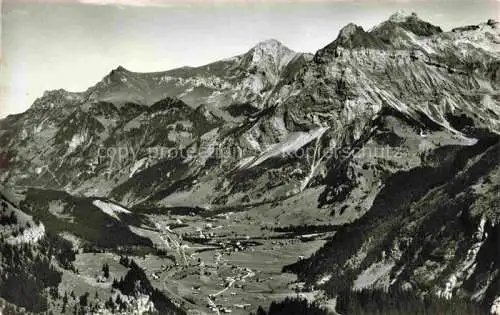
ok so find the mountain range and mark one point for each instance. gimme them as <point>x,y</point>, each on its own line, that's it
<point>390,136</point>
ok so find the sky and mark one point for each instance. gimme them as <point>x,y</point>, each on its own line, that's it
<point>73,44</point>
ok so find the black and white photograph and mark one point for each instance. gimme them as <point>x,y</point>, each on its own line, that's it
<point>250,157</point>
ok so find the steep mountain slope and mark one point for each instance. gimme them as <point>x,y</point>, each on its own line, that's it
<point>42,233</point>
<point>430,228</point>
<point>27,276</point>
<point>97,143</point>
<point>124,118</point>
<point>332,106</point>
<point>90,222</point>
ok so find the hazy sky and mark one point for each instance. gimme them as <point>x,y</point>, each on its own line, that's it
<point>72,44</point>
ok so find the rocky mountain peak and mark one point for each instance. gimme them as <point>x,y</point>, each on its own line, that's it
<point>269,56</point>
<point>349,30</point>
<point>121,69</point>
<point>119,75</point>
<point>351,36</point>
<point>401,16</point>
<point>271,46</point>
<point>57,92</point>
<point>54,98</point>
<point>271,50</point>
<point>409,22</point>
<point>493,23</point>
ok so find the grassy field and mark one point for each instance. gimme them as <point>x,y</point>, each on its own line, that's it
<point>221,265</point>
<point>89,266</point>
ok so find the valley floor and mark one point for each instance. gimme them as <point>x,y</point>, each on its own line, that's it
<point>225,263</point>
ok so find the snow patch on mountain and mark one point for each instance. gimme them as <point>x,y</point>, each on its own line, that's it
<point>244,162</point>
<point>110,209</point>
<point>75,142</point>
<point>294,142</point>
<point>137,166</point>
